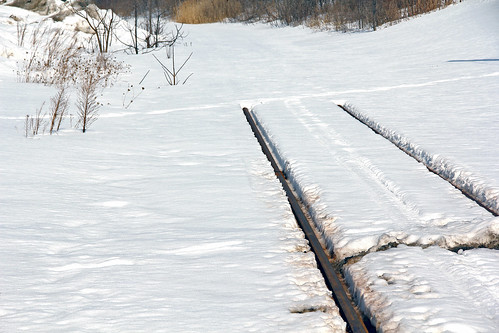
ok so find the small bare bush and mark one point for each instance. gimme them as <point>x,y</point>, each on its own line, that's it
<point>171,72</point>
<point>38,120</point>
<point>34,124</point>
<point>21,32</point>
<point>87,104</point>
<point>52,59</point>
<point>58,108</point>
<point>97,73</point>
<point>130,95</point>
<point>207,11</point>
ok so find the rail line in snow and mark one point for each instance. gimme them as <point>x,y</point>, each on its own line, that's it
<point>332,277</point>
<point>484,196</point>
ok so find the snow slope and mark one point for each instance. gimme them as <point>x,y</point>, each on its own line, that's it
<point>166,218</point>
<point>179,227</point>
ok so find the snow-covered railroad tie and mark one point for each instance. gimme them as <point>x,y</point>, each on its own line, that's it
<point>332,277</point>
<point>464,181</point>
<point>363,192</point>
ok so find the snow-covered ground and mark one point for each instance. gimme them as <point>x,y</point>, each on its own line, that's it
<point>160,218</point>
<point>430,290</point>
<point>179,227</point>
<point>165,216</point>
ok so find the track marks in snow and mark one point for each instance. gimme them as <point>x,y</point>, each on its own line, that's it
<point>381,188</point>
<point>364,193</point>
<point>454,174</point>
<point>82,266</point>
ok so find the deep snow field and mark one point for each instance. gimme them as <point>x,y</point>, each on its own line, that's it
<point>166,217</point>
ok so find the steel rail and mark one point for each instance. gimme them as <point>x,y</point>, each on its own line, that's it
<point>331,276</point>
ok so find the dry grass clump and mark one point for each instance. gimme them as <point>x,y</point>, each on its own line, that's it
<point>92,74</point>
<point>55,57</point>
<point>207,11</point>
<point>51,58</point>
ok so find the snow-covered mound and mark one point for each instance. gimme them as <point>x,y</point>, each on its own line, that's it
<point>43,7</point>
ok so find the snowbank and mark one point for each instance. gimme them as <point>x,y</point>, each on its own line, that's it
<point>42,7</point>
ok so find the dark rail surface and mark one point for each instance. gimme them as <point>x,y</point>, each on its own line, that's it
<point>334,283</point>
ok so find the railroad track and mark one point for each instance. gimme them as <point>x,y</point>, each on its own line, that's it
<point>332,277</point>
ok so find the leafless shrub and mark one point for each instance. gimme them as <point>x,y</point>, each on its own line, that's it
<point>153,33</point>
<point>58,107</point>
<point>34,124</point>
<point>87,104</point>
<point>37,121</point>
<point>65,66</point>
<point>21,32</point>
<point>39,31</point>
<point>53,57</point>
<point>127,99</point>
<point>369,14</point>
<point>171,72</point>
<point>154,23</point>
<point>57,57</point>
<point>97,73</point>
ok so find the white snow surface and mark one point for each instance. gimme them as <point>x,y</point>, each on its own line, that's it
<point>165,216</point>
<point>405,284</point>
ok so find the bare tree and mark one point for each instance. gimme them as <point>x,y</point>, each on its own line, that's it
<point>135,39</point>
<point>100,21</point>
<point>155,13</point>
<point>148,29</point>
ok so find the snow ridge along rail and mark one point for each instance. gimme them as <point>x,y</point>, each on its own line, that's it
<point>486,197</point>
<point>340,295</point>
